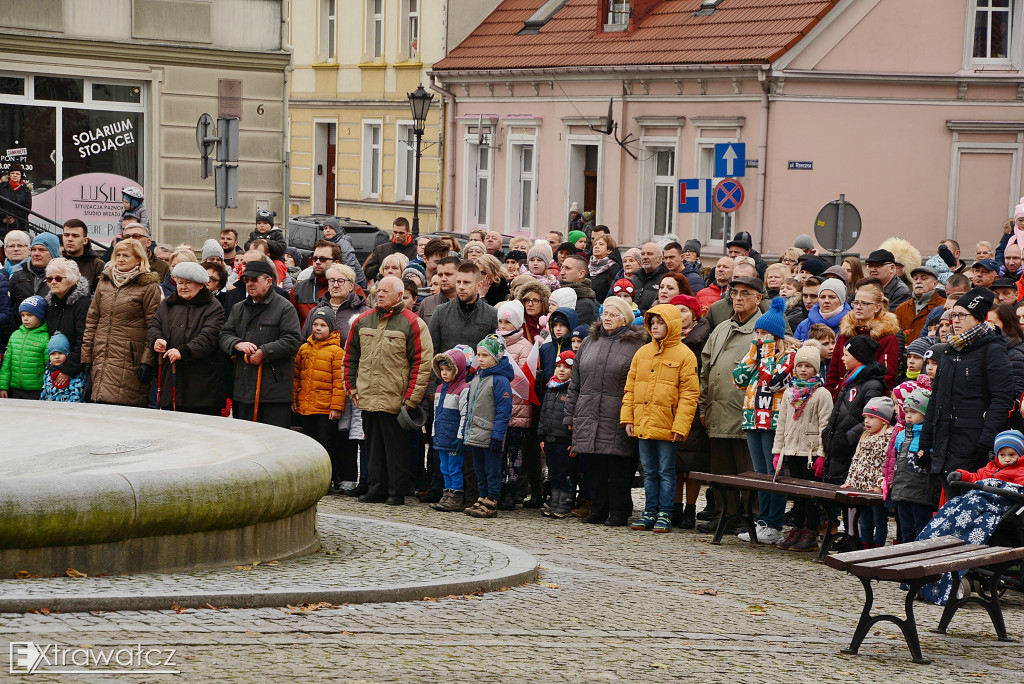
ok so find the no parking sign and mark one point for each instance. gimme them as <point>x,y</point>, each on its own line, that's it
<point>728,195</point>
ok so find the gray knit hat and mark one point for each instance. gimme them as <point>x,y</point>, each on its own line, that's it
<point>804,241</point>
<point>212,248</point>
<point>540,249</point>
<point>881,407</point>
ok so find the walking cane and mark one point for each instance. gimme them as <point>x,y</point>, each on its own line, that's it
<point>259,383</point>
<point>174,386</point>
<point>159,380</point>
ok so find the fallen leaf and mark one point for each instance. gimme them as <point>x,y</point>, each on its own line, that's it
<point>71,572</point>
<point>213,607</point>
<point>755,610</point>
<point>659,666</point>
<point>271,563</point>
<point>256,563</point>
<point>346,634</point>
<point>704,592</point>
<point>22,574</point>
<point>243,567</point>
<point>177,608</point>
<point>44,611</point>
<point>549,585</point>
<point>402,543</point>
<point>559,536</point>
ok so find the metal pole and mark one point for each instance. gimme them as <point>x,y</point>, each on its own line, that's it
<point>223,218</point>
<point>839,228</point>
<point>416,190</point>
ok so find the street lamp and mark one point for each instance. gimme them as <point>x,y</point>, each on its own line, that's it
<point>419,102</point>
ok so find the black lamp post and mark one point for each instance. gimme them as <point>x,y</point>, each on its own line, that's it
<point>419,102</point>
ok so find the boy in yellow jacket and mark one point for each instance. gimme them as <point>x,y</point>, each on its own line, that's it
<point>661,397</point>
<point>318,387</point>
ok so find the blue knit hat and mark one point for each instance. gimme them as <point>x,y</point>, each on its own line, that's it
<point>580,331</point>
<point>58,343</point>
<point>50,241</point>
<point>34,305</point>
<point>774,319</point>
<point>1009,438</point>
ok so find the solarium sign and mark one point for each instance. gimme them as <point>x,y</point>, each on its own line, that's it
<point>104,138</point>
<point>93,197</point>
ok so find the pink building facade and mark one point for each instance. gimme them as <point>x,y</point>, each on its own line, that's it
<point>912,109</point>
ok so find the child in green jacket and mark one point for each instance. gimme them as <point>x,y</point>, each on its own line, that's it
<point>21,375</point>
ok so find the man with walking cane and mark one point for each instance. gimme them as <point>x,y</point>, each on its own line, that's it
<point>262,337</point>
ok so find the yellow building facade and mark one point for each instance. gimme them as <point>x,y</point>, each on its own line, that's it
<point>352,150</point>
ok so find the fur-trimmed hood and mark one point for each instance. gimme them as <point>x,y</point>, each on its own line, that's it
<point>536,287</point>
<point>633,334</point>
<point>906,254</point>
<point>81,289</point>
<point>886,324</point>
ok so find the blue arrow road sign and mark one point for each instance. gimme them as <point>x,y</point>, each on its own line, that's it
<point>730,160</point>
<point>694,195</point>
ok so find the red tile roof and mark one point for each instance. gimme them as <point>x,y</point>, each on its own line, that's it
<point>741,31</point>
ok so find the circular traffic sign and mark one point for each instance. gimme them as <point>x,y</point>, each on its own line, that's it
<point>728,195</point>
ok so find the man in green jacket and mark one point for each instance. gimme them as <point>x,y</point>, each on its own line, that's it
<point>721,402</point>
<point>387,367</point>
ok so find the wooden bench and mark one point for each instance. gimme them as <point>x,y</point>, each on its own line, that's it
<point>823,494</point>
<point>917,564</point>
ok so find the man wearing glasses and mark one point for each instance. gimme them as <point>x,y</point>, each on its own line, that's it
<point>78,249</point>
<point>308,292</point>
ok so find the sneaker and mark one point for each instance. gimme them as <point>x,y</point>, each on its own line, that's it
<point>644,522</point>
<point>808,541</point>
<point>664,523</point>
<point>758,526</point>
<point>769,535</point>
<point>792,537</point>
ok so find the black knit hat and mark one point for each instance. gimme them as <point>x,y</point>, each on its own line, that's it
<point>862,348</point>
<point>977,302</point>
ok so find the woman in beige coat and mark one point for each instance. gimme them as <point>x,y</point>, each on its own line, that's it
<point>126,298</point>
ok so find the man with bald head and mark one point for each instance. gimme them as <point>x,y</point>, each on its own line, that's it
<point>646,280</point>
<point>387,367</point>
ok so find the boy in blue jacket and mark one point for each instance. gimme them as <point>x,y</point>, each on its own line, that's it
<point>450,403</point>
<point>561,324</point>
<point>488,411</point>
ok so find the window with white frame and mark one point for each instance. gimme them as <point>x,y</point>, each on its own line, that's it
<point>717,226</point>
<point>375,29</point>
<point>371,159</point>
<point>618,12</point>
<point>405,162</point>
<point>993,20</point>
<point>664,182</point>
<point>411,28</point>
<point>522,191</point>
<point>479,162</point>
<point>328,30</point>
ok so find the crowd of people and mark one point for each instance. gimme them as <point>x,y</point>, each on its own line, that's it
<point>545,373</point>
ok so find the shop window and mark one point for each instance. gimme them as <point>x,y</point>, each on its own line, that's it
<point>110,92</point>
<point>12,85</point>
<point>62,89</point>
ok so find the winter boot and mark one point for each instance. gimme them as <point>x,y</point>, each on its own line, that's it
<point>442,505</point>
<point>792,537</point>
<point>507,499</point>
<point>677,514</point>
<point>563,507</point>
<point>484,508</point>
<point>709,508</point>
<point>548,509</point>
<point>808,541</point>
<point>663,523</point>
<point>688,520</point>
<point>582,507</point>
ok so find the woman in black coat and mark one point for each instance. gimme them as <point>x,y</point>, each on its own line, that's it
<point>592,411</point>
<point>185,331</point>
<point>16,190</point>
<point>973,391</point>
<point>67,306</point>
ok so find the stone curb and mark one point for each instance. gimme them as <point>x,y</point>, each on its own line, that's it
<point>522,568</point>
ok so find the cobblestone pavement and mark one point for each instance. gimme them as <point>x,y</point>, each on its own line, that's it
<point>361,560</point>
<point>611,604</point>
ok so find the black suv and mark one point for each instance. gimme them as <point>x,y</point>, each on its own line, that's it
<point>304,231</point>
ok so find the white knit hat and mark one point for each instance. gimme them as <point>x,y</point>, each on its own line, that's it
<point>564,297</point>
<point>190,270</point>
<point>513,312</point>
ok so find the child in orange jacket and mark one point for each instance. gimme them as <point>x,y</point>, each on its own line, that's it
<point>1007,462</point>
<point>318,388</point>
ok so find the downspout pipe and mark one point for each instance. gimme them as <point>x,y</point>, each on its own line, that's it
<point>449,156</point>
<point>286,46</point>
<point>762,156</point>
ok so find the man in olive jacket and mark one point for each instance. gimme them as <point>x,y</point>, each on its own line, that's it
<point>262,335</point>
<point>387,366</point>
<point>721,401</point>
